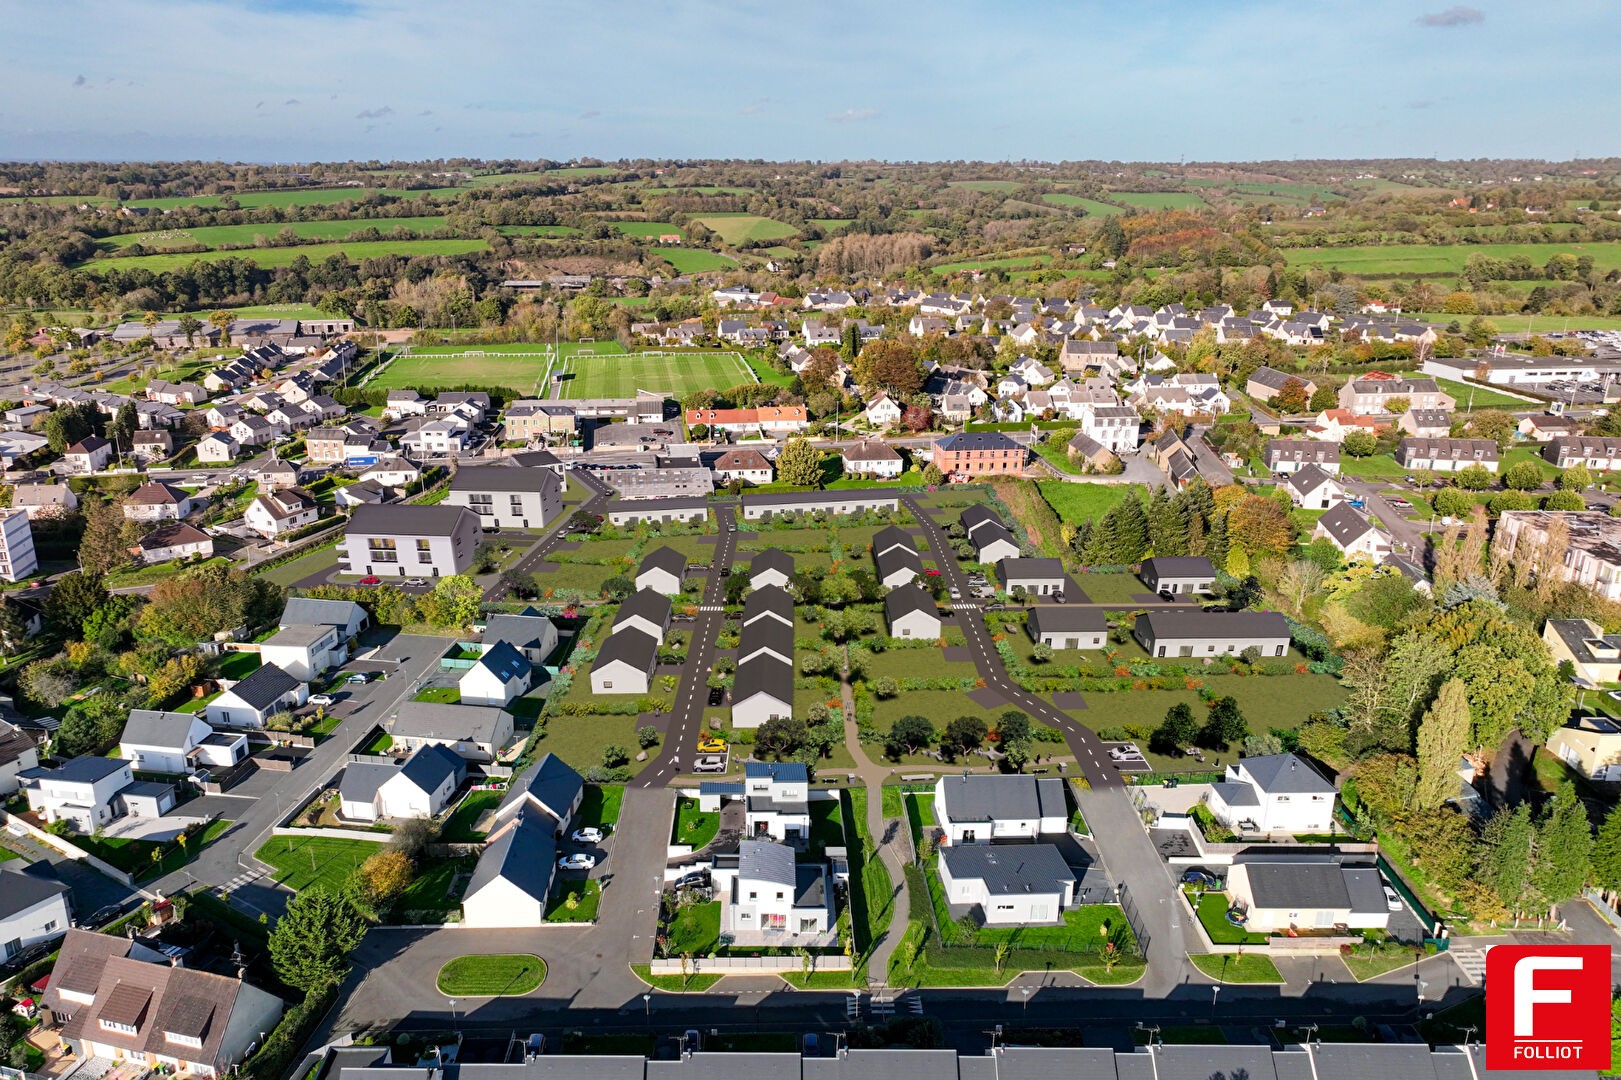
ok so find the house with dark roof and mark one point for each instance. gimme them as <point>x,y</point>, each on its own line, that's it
<point>981,809</point>
<point>504,497</point>
<point>34,907</point>
<point>766,896</point>
<point>511,884</point>
<point>1447,455</point>
<point>898,564</point>
<point>409,541</point>
<point>419,787</point>
<point>176,540</point>
<point>770,602</point>
<point>625,662</point>
<point>773,566</point>
<point>349,617</point>
<point>1425,423</point>
<point>1311,488</point>
<point>762,690</point>
<point>1008,884</point>
<point>1067,627</point>
<point>776,802</point>
<point>1178,575</point>
<point>498,676</point>
<point>979,453</point>
<point>88,455</point>
<point>1320,893</point>
<point>281,511</point>
<point>176,742</point>
<point>1267,383</point>
<point>549,787</point>
<point>662,570</point>
<point>691,509</point>
<point>856,501</point>
<point>746,466</point>
<point>1356,536</point>
<point>476,733</point>
<point>1597,453</point>
<point>18,752</point>
<point>533,635</point>
<point>1275,793</point>
<point>873,457</point>
<point>991,539</point>
<point>767,638</point>
<point>910,612</point>
<point>647,611</point>
<point>1033,577</point>
<point>1594,654</point>
<point>1196,634</point>
<point>118,1000</point>
<point>249,703</point>
<point>91,792</point>
<point>1284,456</point>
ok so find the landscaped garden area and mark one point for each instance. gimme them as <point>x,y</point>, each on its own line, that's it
<point>1237,968</point>
<point>497,975</point>
<point>693,827</point>
<point>574,900</point>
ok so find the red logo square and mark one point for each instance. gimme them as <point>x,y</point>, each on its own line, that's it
<point>1548,1007</point>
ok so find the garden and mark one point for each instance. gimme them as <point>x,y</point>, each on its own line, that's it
<point>492,975</point>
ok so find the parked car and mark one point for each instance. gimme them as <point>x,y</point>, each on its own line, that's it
<point>1200,877</point>
<point>536,1045</point>
<point>692,1040</point>
<point>813,1046</point>
<point>322,699</point>
<point>931,572</point>
<point>711,745</point>
<point>371,579</point>
<point>587,835</point>
<point>717,694</point>
<point>955,595</point>
<point>416,582</point>
<point>577,861</point>
<point>1358,503</point>
<point>1392,898</point>
<point>358,677</point>
<point>1401,504</point>
<point>710,763</point>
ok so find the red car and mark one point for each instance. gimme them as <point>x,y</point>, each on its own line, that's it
<point>371,580</point>
<point>931,572</point>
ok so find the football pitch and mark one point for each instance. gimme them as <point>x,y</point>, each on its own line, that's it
<point>674,374</point>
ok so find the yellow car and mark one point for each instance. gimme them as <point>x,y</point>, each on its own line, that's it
<point>711,745</point>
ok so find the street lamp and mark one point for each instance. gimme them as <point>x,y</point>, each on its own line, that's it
<point>647,1004</point>
<point>1025,990</point>
<point>1215,992</point>
<point>453,1023</point>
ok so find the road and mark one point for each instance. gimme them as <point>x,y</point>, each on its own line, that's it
<point>559,529</point>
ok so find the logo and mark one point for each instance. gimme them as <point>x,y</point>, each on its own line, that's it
<point>1548,1007</point>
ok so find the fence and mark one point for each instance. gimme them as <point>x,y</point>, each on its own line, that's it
<point>57,843</point>
<point>737,965</point>
<point>1139,927</point>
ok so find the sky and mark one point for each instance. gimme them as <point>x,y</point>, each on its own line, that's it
<point>898,80</point>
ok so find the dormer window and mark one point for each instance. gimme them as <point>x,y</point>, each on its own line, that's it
<point>191,1041</point>
<point>123,1029</point>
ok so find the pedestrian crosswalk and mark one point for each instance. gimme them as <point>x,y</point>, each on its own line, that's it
<point>711,607</point>
<point>1472,962</point>
<point>964,607</point>
<point>240,880</point>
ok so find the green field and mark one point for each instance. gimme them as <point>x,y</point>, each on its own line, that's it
<point>1084,502</point>
<point>831,224</point>
<point>517,367</point>
<point>1416,259</point>
<point>675,375</point>
<point>579,170</point>
<point>697,189</point>
<point>1160,200</point>
<point>537,230</point>
<point>294,197</point>
<point>652,230</point>
<point>1003,186</point>
<point>1092,207</point>
<point>737,229</point>
<point>218,235</point>
<point>693,261</point>
<point>1529,324</point>
<point>270,257</point>
<point>1012,262</point>
<point>317,860</point>
<point>499,975</point>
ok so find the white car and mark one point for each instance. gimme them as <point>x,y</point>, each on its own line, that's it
<point>587,836</point>
<point>322,699</point>
<point>1392,900</point>
<point>577,861</point>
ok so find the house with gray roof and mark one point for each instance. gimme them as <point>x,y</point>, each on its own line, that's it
<point>176,742</point>
<point>1034,577</point>
<point>252,701</point>
<point>762,690</point>
<point>505,497</point>
<point>662,570</point>
<point>419,787</point>
<point>625,661</point>
<point>767,897</point>
<point>979,809</point>
<point>34,907</point>
<point>897,565</point>
<point>549,787</point>
<point>1307,893</point>
<point>773,566</point>
<point>1204,634</point>
<point>477,733</point>
<point>409,541</point>
<point>499,675</point>
<point>1008,884</point>
<point>647,611</point>
<point>1067,627</point>
<point>533,635</point>
<point>1275,793</point>
<point>1284,456</point>
<point>349,617</point>
<point>1354,533</point>
<point>513,879</point>
<point>910,612</point>
<point>1310,488</point>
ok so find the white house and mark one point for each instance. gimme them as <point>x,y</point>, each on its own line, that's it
<point>1274,793</point>
<point>976,809</point>
<point>662,570</point>
<point>762,690</point>
<point>770,897</point>
<point>33,908</point>
<point>1307,893</point>
<point>497,677</point>
<point>91,792</point>
<point>1310,488</point>
<point>175,742</point>
<point>1067,627</point>
<point>255,699</point>
<point>277,512</point>
<point>305,651</point>
<point>647,611</point>
<point>624,663</point>
<point>773,567</point>
<point>1354,534</point>
<point>775,805</point>
<point>421,787</point>
<point>1010,884</point>
<point>512,882</point>
<point>873,457</point>
<point>533,635</point>
<point>882,412</point>
<point>17,754</point>
<point>475,733</point>
<point>910,612</point>
<point>157,502</point>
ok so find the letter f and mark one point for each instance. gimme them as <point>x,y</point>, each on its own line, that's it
<point>1526,994</point>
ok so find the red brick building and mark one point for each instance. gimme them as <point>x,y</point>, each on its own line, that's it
<point>979,453</point>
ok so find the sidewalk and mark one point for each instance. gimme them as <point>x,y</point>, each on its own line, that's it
<point>893,839</point>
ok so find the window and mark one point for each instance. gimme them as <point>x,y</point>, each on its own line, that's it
<point>125,1029</point>
<point>754,896</point>
<point>184,1040</point>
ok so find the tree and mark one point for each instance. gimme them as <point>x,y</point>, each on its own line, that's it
<point>932,476</point>
<point>1224,726</point>
<point>1397,405</point>
<point>908,735</point>
<point>221,321</point>
<point>1013,735</point>
<point>1523,476</point>
<point>1360,444</point>
<point>890,364</point>
<point>385,875</point>
<point>1261,526</point>
<point>71,601</point>
<point>1473,478</point>
<point>1443,736</point>
<point>1575,478</point>
<point>1451,502</point>
<point>800,464</point>
<point>1292,398</point>
<point>108,536</point>
<point>1607,852</point>
<point>1564,848</point>
<point>1177,730</point>
<point>1041,652</point>
<point>964,734</point>
<point>1506,862</point>
<point>189,325</point>
<point>647,736</point>
<point>1564,500</point>
<point>780,736</point>
<point>884,688</point>
<point>1323,399</point>
<point>614,756</point>
<point>454,603</point>
<point>46,682</point>
<point>412,836</point>
<point>312,940</point>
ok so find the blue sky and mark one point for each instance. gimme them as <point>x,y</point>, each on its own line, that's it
<point>1129,80</point>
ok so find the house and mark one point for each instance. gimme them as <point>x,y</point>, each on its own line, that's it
<point>157,502</point>
<point>648,611</point>
<point>34,907</point>
<point>1591,745</point>
<point>1353,533</point>
<point>979,453</point>
<point>982,808</point>
<point>1332,425</point>
<point>217,447</point>
<point>281,511</point>
<point>745,466</point>
<point>1366,396</point>
<point>534,636</point>
<point>505,497</point>
<point>176,743</point>
<point>88,455</point>
<point>498,676</point>
<point>874,458</point>
<point>253,431</point>
<point>1077,355</point>
<point>511,884</point>
<point>349,617</point>
<point>43,500</point>
<point>758,507</point>
<point>624,663</point>
<point>393,472</point>
<point>1598,454</point>
<point>306,651</point>
<point>1267,383</point>
<point>1082,449</point>
<point>249,703</point>
<point>662,570</point>
<point>1178,575</point>
<point>895,557</point>
<point>766,420</point>
<point>420,787</point>
<point>176,540</point>
<point>1310,893</point>
<point>402,403</point>
<point>990,538</point>
<point>527,420</point>
<point>1425,423</point>
<point>1592,544</point>
<point>17,754</point>
<point>91,792</point>
<point>1447,455</point>
<point>882,412</point>
<point>767,896</point>
<point>1595,655</point>
<point>474,733</point>
<point>1008,884</point>
<point>1540,428</point>
<point>1211,633</point>
<point>775,805</point>
<point>360,493</point>
<point>150,446</point>
<point>277,475</point>
<point>910,612</point>
<point>773,566</point>
<point>449,434</point>
<point>17,557</point>
<point>1117,428</point>
<point>763,690</point>
<point>1033,577</point>
<point>117,1000</point>
<point>1274,793</point>
<point>1284,456</point>
<point>1067,627</point>
<point>409,541</point>
<point>1313,489</point>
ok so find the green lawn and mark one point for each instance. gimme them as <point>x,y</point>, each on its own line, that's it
<point>1160,200</point>
<point>587,894</point>
<point>379,743</point>
<point>1434,259</point>
<point>1001,186</point>
<point>460,827</point>
<point>302,861</point>
<point>1085,502</point>
<point>694,261</point>
<point>599,807</point>
<point>1483,398</point>
<point>650,229</point>
<point>214,236</point>
<point>520,370</point>
<point>675,375</point>
<point>285,256</point>
<point>1213,917</point>
<point>1379,465</point>
<point>1092,207</point>
<point>151,575</point>
<point>292,197</point>
<point>495,975</point>
<point>136,857</point>
<point>237,665</point>
<point>735,229</point>
<point>1531,324</point>
<point>1370,961</point>
<point>695,929</point>
<point>296,570</point>
<point>693,826</point>
<point>439,695</point>
<point>1230,968</point>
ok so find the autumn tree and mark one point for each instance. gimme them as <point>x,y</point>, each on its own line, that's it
<point>890,364</point>
<point>1292,398</point>
<point>1443,736</point>
<point>800,464</point>
<point>386,875</point>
